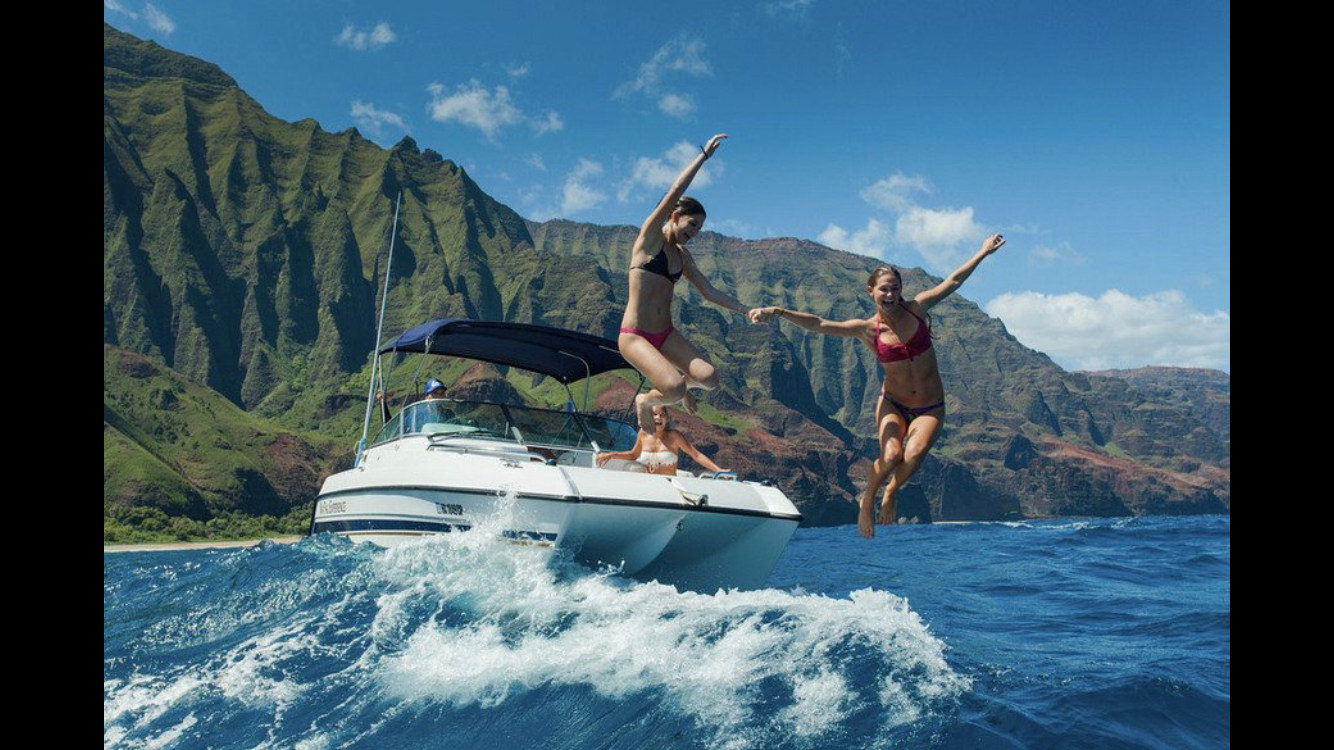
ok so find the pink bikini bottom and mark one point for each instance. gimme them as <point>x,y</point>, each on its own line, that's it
<point>656,339</point>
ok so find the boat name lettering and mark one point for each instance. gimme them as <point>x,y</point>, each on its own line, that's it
<point>329,507</point>
<point>449,510</point>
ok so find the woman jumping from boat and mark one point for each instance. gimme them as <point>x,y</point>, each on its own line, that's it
<point>911,410</point>
<point>648,341</point>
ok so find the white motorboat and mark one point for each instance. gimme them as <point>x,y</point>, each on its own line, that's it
<point>528,475</point>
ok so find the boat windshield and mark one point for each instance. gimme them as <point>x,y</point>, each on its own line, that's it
<point>543,427</point>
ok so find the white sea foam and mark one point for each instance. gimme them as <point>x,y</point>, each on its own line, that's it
<point>716,657</point>
<point>169,737</point>
<point>250,674</point>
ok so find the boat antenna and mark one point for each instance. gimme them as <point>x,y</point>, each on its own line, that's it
<point>379,331</point>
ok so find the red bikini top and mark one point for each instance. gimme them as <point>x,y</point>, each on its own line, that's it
<point>920,341</point>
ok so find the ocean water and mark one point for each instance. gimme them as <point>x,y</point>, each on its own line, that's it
<point>1059,634</point>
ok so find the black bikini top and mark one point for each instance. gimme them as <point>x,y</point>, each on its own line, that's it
<point>659,265</point>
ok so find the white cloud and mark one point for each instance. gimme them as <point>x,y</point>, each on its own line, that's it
<point>797,8</point>
<point>1117,330</point>
<point>372,121</point>
<point>158,20</point>
<point>676,105</point>
<point>938,234</point>
<point>738,228</point>
<point>116,7</point>
<point>517,71</point>
<point>872,241</point>
<point>659,173</point>
<point>578,195</point>
<point>549,124</point>
<point>376,38</point>
<point>1045,255</point>
<point>473,105</point>
<point>535,160</point>
<point>488,110</point>
<point>680,55</point>
<point>892,193</point>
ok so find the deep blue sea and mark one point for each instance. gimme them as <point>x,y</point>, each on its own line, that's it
<point>1060,634</point>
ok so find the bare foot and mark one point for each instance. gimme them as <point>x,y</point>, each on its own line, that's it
<point>887,511</point>
<point>645,413</point>
<point>689,404</point>
<point>866,520</point>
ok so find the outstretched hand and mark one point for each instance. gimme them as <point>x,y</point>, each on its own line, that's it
<point>762,314</point>
<point>712,145</point>
<point>993,243</point>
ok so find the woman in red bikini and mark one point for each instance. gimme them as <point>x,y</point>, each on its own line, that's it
<point>911,410</point>
<point>648,341</point>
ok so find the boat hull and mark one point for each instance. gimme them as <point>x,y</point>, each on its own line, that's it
<point>693,533</point>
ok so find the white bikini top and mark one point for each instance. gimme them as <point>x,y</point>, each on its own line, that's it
<point>657,458</point>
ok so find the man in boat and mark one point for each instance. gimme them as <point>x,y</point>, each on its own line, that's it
<point>434,390</point>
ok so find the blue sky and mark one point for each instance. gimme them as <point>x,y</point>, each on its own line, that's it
<point>1095,135</point>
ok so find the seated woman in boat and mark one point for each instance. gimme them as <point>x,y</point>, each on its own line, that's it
<point>659,258</point>
<point>658,450</point>
<point>910,412</point>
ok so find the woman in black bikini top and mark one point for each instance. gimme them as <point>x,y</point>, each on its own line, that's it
<point>648,341</point>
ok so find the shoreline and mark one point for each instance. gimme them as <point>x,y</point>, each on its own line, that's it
<point>177,546</point>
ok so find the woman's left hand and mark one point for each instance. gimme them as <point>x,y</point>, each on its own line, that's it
<point>993,243</point>
<point>712,145</point>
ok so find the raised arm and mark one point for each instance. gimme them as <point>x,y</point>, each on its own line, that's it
<point>682,443</point>
<point>813,323</point>
<point>950,285</point>
<point>665,207</point>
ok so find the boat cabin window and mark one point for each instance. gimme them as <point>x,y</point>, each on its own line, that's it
<point>554,428</point>
<point>610,434</point>
<point>539,427</point>
<point>390,430</point>
<point>456,418</point>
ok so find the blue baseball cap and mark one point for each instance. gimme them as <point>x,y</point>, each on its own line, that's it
<point>433,384</point>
